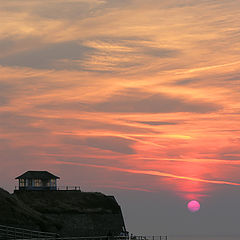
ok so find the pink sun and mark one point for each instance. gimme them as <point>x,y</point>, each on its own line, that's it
<point>193,206</point>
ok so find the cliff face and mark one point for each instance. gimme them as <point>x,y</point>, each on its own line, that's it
<point>69,213</point>
<point>15,213</point>
<point>75,213</point>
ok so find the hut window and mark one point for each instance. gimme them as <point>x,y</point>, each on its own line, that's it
<point>37,183</point>
<point>53,183</point>
<point>21,183</point>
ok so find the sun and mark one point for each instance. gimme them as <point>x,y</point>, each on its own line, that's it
<point>193,206</point>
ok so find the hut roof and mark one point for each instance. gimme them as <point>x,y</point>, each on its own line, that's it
<point>37,175</point>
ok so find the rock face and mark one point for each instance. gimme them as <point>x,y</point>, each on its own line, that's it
<point>69,213</point>
<point>15,213</point>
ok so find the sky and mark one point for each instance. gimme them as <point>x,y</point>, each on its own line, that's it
<point>137,99</point>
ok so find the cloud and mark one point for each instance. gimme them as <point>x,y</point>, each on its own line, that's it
<point>157,123</point>
<point>7,91</point>
<point>113,54</point>
<point>54,8</point>
<point>6,45</point>
<point>11,122</point>
<point>3,101</point>
<point>187,81</point>
<point>136,101</point>
<point>159,52</point>
<point>111,143</point>
<point>99,54</point>
<point>78,9</point>
<point>47,56</point>
<point>133,101</point>
<point>231,152</point>
<point>152,173</point>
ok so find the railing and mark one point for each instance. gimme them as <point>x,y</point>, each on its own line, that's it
<point>60,188</point>
<point>21,233</point>
<point>148,237</point>
<point>76,188</point>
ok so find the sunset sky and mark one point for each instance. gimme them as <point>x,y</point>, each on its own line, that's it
<point>136,98</point>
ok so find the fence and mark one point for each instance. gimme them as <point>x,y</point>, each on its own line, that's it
<point>10,233</point>
<point>21,233</point>
<point>86,238</point>
<point>107,238</point>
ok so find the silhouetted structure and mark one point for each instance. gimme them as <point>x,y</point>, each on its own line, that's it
<point>37,180</point>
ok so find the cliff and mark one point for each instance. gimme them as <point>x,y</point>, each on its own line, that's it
<point>69,213</point>
<point>15,213</point>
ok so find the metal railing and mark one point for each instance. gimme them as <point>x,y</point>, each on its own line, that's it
<point>148,237</point>
<point>7,232</point>
<point>60,188</point>
<point>76,188</point>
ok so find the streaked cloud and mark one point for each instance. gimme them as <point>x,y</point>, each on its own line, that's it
<point>156,123</point>
<point>50,56</point>
<point>133,101</point>
<point>111,143</point>
<point>155,173</point>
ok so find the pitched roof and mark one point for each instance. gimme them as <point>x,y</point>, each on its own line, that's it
<point>37,175</point>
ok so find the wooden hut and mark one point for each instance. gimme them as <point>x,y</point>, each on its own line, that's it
<point>37,180</point>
